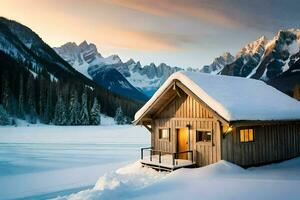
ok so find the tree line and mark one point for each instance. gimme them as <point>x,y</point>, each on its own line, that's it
<point>37,95</point>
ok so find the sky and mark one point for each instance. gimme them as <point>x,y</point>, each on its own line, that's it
<point>183,33</point>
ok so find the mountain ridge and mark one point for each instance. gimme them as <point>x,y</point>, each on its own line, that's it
<point>260,59</point>
<point>36,61</point>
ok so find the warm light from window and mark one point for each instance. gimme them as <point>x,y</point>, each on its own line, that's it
<point>246,135</point>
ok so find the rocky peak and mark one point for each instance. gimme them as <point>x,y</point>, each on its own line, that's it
<point>83,45</point>
<point>114,59</point>
<point>256,47</point>
<point>218,63</point>
<point>130,62</point>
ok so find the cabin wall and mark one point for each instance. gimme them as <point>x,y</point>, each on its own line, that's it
<point>271,143</point>
<point>182,111</point>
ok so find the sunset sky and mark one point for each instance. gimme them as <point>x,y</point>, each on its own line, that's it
<point>180,33</point>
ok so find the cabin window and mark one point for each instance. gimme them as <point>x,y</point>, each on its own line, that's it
<point>164,133</point>
<point>246,135</point>
<point>203,136</point>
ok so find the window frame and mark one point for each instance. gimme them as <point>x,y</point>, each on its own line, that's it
<point>247,134</point>
<point>160,133</point>
<point>204,131</point>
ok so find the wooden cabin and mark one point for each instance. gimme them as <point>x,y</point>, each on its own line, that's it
<point>196,119</point>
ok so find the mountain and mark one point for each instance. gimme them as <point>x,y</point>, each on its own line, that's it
<point>275,61</point>
<point>24,45</point>
<point>218,64</point>
<point>24,55</point>
<point>86,59</point>
<point>110,78</point>
<point>145,78</point>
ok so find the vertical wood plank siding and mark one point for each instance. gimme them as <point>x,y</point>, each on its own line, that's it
<point>272,143</point>
<point>184,110</point>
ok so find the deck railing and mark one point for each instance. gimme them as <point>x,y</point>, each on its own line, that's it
<point>175,157</point>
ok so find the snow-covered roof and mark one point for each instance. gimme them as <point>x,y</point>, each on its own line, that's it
<point>234,98</point>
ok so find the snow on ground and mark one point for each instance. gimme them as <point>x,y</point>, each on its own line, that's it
<point>105,121</point>
<point>41,159</point>
<point>120,184</point>
<point>219,181</point>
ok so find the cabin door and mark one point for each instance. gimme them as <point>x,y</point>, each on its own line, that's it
<point>183,143</point>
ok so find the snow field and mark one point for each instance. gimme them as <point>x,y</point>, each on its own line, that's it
<point>42,159</point>
<point>219,181</point>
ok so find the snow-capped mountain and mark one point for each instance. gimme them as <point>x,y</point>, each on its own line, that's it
<point>86,59</point>
<point>25,46</point>
<point>270,60</point>
<point>275,61</point>
<point>246,59</point>
<point>145,78</point>
<point>84,55</point>
<point>24,53</point>
<point>218,64</point>
<point>113,80</point>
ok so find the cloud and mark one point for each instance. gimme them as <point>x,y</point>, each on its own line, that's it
<point>177,8</point>
<point>143,40</point>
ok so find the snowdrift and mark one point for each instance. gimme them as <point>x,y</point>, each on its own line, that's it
<point>222,180</point>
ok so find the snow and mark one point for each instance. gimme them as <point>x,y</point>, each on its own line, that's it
<point>293,48</point>
<point>234,98</point>
<point>286,65</point>
<point>44,159</point>
<point>33,73</point>
<point>167,161</point>
<point>219,181</point>
<point>259,63</point>
<point>143,81</point>
<point>119,184</point>
<point>82,68</point>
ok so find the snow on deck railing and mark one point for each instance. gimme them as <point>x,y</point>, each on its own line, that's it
<point>158,157</point>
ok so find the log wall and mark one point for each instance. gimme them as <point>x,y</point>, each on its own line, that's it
<point>182,111</point>
<point>272,143</point>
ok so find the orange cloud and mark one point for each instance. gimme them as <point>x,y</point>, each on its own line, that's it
<point>57,27</point>
<point>135,40</point>
<point>168,8</point>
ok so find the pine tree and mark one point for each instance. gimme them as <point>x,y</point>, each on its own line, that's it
<point>49,104</point>
<point>4,117</point>
<point>84,114</point>
<point>31,105</point>
<point>95,117</point>
<point>46,114</point>
<point>42,98</point>
<point>74,109</point>
<point>6,93</point>
<point>119,116</point>
<point>60,115</point>
<point>21,103</point>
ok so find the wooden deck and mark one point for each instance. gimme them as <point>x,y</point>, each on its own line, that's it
<point>164,161</point>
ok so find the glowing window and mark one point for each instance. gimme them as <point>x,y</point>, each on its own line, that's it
<point>246,135</point>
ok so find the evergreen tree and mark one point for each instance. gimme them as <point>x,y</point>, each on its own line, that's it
<point>84,114</point>
<point>42,97</point>
<point>49,104</point>
<point>21,103</point>
<point>31,105</point>
<point>4,117</point>
<point>119,116</point>
<point>74,109</point>
<point>95,117</point>
<point>46,115</point>
<point>60,115</point>
<point>6,93</point>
